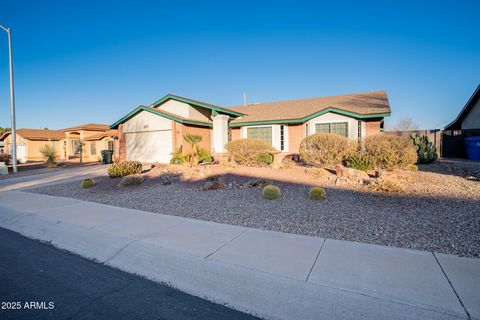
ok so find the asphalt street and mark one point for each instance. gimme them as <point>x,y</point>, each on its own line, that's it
<point>38,281</point>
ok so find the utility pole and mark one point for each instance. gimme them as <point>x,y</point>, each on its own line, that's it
<point>12,99</point>
<point>244,98</point>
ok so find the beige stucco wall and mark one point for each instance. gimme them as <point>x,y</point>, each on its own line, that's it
<point>296,133</point>
<point>472,120</point>
<point>32,147</point>
<point>146,121</point>
<point>186,111</point>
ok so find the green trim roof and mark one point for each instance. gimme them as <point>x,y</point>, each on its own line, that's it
<point>198,104</point>
<point>159,113</point>
<point>309,117</point>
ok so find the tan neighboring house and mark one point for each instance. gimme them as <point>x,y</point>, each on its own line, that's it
<point>67,142</point>
<point>151,133</point>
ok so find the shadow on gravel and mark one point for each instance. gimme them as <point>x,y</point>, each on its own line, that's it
<point>440,224</point>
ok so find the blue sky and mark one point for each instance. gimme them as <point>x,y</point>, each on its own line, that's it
<point>93,61</point>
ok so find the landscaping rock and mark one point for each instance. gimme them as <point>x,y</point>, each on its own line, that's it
<point>213,185</point>
<point>343,171</point>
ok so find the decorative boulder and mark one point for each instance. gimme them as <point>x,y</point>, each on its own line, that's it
<point>343,171</point>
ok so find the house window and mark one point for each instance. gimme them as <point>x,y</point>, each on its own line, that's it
<point>93,148</point>
<point>110,145</point>
<point>282,138</point>
<point>359,130</point>
<point>340,128</point>
<point>260,133</point>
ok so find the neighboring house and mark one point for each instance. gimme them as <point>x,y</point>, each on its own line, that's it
<point>67,142</point>
<point>469,117</point>
<point>152,133</point>
<point>30,141</point>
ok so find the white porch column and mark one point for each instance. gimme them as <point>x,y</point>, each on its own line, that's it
<point>220,133</point>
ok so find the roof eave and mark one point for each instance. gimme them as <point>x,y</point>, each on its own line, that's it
<point>314,115</point>
<point>158,113</point>
<point>196,103</point>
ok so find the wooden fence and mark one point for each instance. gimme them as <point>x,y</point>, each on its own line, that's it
<point>449,143</point>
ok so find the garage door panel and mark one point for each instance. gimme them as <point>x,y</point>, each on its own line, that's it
<point>153,146</point>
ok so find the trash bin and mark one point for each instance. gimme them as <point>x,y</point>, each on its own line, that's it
<point>107,156</point>
<point>472,144</point>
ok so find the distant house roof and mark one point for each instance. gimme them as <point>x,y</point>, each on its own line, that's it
<point>457,123</point>
<point>37,134</point>
<point>361,105</point>
<point>112,133</point>
<point>89,127</point>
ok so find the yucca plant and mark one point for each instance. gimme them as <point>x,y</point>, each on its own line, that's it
<point>49,154</point>
<point>193,140</point>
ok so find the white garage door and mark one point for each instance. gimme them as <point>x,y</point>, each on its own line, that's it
<point>152,146</point>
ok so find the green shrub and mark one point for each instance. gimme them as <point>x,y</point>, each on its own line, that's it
<point>387,152</point>
<point>178,157</point>
<point>87,183</point>
<point>412,167</point>
<point>323,149</point>
<point>49,154</point>
<point>125,168</point>
<point>5,158</point>
<point>271,192</point>
<point>131,180</point>
<point>317,193</point>
<point>203,156</point>
<point>265,159</point>
<point>360,162</point>
<point>248,151</point>
<point>426,151</point>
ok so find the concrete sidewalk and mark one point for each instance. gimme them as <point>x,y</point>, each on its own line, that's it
<point>58,176</point>
<point>269,274</point>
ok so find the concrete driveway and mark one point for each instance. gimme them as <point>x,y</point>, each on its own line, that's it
<point>58,176</point>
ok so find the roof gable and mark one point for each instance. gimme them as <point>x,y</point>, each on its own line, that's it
<point>160,113</point>
<point>457,123</point>
<point>37,134</point>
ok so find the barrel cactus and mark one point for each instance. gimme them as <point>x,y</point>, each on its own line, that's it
<point>271,192</point>
<point>426,151</point>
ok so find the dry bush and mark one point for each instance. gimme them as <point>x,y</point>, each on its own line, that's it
<point>323,149</point>
<point>390,152</point>
<point>249,152</point>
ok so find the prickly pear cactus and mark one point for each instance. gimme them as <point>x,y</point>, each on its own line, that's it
<point>426,151</point>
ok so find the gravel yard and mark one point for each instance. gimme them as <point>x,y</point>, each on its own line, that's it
<point>438,209</point>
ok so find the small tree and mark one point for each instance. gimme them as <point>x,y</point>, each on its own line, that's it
<point>193,140</point>
<point>49,154</point>
<point>406,124</point>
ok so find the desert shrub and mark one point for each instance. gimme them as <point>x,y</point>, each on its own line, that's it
<point>317,193</point>
<point>5,158</point>
<point>388,152</point>
<point>412,167</point>
<point>178,157</point>
<point>265,158</point>
<point>359,161</point>
<point>125,168</point>
<point>203,156</point>
<point>49,154</point>
<point>426,151</point>
<point>248,152</point>
<point>323,149</point>
<point>271,192</point>
<point>131,180</point>
<point>87,183</point>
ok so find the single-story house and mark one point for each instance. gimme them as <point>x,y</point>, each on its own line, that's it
<point>152,133</point>
<point>469,117</point>
<point>67,142</point>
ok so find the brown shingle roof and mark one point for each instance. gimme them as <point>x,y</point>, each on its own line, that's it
<point>38,134</point>
<point>89,127</point>
<point>113,133</point>
<point>369,103</point>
